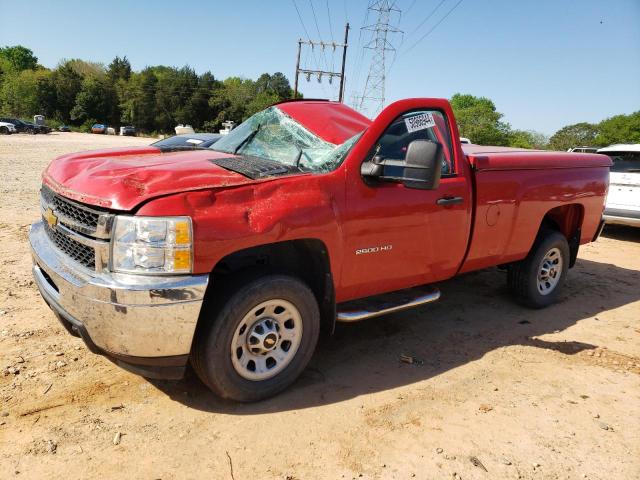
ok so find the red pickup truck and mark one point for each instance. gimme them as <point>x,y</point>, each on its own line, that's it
<point>236,257</point>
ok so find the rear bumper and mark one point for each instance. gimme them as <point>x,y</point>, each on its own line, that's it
<point>619,216</point>
<point>143,323</point>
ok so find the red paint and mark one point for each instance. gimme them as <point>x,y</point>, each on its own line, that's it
<point>331,121</point>
<point>506,193</point>
<point>121,179</point>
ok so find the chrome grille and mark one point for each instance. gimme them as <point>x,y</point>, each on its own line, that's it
<point>82,254</point>
<point>80,231</point>
<point>74,215</point>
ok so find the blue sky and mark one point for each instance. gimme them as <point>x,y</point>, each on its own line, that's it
<point>545,63</point>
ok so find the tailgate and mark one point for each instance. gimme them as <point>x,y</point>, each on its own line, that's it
<point>624,190</point>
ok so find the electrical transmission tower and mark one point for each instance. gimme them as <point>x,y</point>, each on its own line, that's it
<point>372,100</point>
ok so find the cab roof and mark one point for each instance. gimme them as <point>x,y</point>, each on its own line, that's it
<point>334,122</point>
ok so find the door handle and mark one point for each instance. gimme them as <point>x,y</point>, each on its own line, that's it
<point>446,201</point>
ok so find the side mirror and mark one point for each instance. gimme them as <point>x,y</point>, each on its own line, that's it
<point>423,165</point>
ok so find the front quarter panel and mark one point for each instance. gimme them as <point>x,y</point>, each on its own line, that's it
<point>232,219</point>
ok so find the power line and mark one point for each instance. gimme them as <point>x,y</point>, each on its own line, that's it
<point>434,27</point>
<point>355,81</point>
<point>315,19</point>
<point>300,18</point>
<point>410,7</point>
<point>333,57</point>
<point>315,58</point>
<point>329,18</point>
<point>426,19</point>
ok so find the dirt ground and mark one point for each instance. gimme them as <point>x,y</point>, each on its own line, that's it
<point>502,392</point>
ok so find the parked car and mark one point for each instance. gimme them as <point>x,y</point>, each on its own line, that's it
<point>623,199</point>
<point>465,140</point>
<point>20,126</point>
<point>98,128</point>
<point>43,129</point>
<point>128,131</point>
<point>236,257</point>
<point>7,128</point>
<point>64,128</point>
<point>583,149</point>
<point>190,140</point>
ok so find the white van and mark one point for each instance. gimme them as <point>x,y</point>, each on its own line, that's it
<point>623,200</point>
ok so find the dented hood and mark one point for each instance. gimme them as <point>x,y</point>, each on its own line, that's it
<point>122,178</point>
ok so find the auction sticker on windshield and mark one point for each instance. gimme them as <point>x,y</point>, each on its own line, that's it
<point>419,122</point>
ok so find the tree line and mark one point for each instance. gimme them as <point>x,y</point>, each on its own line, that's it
<point>157,98</point>
<point>479,120</point>
<point>154,100</point>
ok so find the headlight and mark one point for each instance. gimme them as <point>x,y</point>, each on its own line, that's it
<point>152,245</point>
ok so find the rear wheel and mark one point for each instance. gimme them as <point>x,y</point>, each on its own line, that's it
<point>259,341</point>
<point>4,131</point>
<point>537,280</point>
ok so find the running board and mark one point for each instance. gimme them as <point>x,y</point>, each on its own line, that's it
<point>392,302</point>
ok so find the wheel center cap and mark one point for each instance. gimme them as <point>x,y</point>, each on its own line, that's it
<point>263,337</point>
<point>270,341</point>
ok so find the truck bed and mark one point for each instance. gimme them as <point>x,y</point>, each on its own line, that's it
<point>516,189</point>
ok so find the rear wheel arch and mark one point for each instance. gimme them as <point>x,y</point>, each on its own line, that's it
<point>566,219</point>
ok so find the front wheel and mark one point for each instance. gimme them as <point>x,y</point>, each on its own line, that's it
<point>537,280</point>
<point>4,131</point>
<point>259,341</point>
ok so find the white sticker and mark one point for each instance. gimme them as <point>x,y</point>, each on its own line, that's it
<point>195,141</point>
<point>419,122</point>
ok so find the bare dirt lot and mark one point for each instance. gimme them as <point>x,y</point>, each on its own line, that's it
<point>503,392</point>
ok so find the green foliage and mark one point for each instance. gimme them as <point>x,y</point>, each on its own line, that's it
<point>96,99</point>
<point>19,92</point>
<point>619,129</point>
<point>67,84</point>
<point>18,58</point>
<point>156,99</point>
<point>84,68</point>
<point>479,121</point>
<point>119,69</point>
<point>527,139</point>
<point>576,135</point>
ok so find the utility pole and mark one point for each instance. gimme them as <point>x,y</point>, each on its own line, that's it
<point>344,61</point>
<point>373,96</point>
<point>322,73</point>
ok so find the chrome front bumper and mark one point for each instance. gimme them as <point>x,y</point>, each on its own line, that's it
<point>124,316</point>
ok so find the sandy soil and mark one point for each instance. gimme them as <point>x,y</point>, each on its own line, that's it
<point>503,392</point>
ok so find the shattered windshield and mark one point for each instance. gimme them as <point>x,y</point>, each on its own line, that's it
<point>272,135</point>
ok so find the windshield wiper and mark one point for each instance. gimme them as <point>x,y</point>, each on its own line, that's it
<point>247,139</point>
<point>296,163</point>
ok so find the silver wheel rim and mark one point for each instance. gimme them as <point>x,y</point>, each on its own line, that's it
<point>266,340</point>
<point>550,271</point>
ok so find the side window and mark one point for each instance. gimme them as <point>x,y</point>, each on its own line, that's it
<point>416,125</point>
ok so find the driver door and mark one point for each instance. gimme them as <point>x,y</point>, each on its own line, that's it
<point>396,236</point>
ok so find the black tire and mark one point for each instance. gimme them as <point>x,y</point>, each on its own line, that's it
<point>523,276</point>
<point>211,355</point>
<point>32,131</point>
<point>4,131</point>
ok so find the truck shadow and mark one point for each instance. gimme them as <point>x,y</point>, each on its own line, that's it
<point>620,232</point>
<point>475,316</point>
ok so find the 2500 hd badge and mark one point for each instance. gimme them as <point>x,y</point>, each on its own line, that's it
<point>381,248</point>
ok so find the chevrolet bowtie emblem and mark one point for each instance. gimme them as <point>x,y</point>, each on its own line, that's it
<point>50,217</point>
